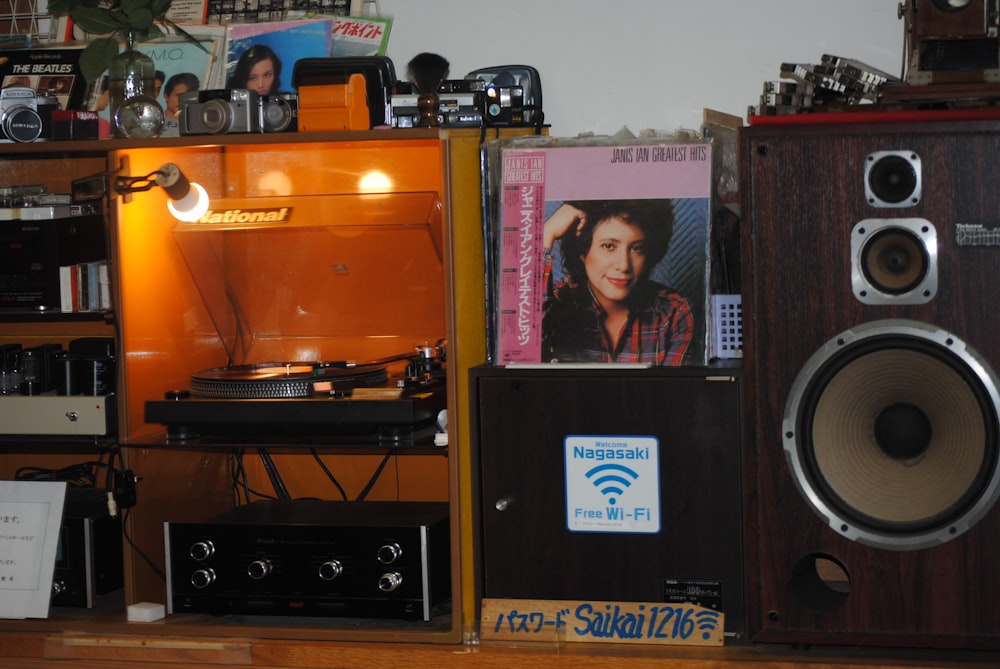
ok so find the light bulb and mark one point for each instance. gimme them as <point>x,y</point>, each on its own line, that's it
<point>188,201</point>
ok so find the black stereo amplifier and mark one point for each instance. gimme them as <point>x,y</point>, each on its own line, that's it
<point>313,558</point>
<point>88,560</point>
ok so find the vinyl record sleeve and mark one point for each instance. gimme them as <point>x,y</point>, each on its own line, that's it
<point>531,180</point>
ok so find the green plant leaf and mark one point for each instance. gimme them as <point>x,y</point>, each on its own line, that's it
<point>95,57</point>
<point>160,7</point>
<point>59,7</point>
<point>151,33</point>
<point>140,19</point>
<point>96,21</point>
<point>133,6</point>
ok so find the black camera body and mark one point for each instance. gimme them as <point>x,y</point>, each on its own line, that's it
<point>220,112</point>
<point>24,115</point>
<point>512,95</point>
<point>460,105</point>
<point>279,112</point>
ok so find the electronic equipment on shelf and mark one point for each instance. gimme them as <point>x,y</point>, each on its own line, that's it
<point>359,402</point>
<point>88,560</point>
<point>313,558</point>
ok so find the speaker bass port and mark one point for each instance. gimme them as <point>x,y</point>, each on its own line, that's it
<point>202,578</point>
<point>259,569</point>
<point>201,550</point>
<point>330,570</point>
<point>390,581</point>
<point>389,553</point>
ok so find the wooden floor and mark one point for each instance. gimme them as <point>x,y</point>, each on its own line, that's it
<point>33,650</point>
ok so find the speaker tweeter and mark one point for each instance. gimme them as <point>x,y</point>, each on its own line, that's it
<point>894,261</point>
<point>893,179</point>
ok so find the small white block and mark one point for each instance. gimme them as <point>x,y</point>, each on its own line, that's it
<point>145,612</point>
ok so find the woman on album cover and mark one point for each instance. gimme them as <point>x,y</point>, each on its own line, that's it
<point>606,308</point>
<point>258,69</point>
<point>176,86</point>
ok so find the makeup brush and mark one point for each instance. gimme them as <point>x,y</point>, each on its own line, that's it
<point>427,71</point>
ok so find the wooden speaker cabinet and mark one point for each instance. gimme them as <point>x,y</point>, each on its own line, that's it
<point>533,546</point>
<point>870,255</point>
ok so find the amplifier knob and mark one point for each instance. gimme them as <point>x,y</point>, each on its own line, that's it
<point>389,581</point>
<point>201,550</point>
<point>258,569</point>
<point>389,553</point>
<point>202,578</point>
<point>330,570</point>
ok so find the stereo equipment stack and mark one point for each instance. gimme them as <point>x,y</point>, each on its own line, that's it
<point>313,558</point>
<point>870,325</point>
<point>335,401</point>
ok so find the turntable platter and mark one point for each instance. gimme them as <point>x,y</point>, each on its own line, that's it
<point>281,380</point>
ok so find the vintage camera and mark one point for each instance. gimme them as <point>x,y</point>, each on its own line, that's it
<point>220,112</point>
<point>279,112</point>
<point>952,41</point>
<point>456,108</point>
<point>512,95</point>
<point>23,116</point>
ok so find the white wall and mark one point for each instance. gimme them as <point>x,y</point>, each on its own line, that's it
<point>645,64</point>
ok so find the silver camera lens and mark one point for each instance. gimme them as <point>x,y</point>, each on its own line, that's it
<point>21,124</point>
<point>217,116</point>
<point>277,115</point>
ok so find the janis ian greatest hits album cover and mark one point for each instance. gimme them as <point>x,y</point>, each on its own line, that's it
<point>602,253</point>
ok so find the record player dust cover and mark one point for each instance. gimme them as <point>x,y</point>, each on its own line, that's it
<point>601,252</point>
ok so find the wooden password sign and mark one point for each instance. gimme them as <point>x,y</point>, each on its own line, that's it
<point>601,622</point>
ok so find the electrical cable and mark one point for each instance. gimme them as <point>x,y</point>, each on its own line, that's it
<point>273,474</point>
<point>240,482</point>
<point>375,476</point>
<point>329,474</point>
<point>141,553</point>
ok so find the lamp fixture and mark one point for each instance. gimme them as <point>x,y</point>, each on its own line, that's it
<point>188,200</point>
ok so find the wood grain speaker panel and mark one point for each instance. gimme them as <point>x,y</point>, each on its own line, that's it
<point>804,193</point>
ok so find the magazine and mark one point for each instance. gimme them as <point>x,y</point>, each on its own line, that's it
<point>600,251</point>
<point>182,67</point>
<point>361,36</point>
<point>55,71</point>
<point>288,40</point>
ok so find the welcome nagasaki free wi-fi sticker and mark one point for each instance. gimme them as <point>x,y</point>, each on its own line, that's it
<point>612,484</point>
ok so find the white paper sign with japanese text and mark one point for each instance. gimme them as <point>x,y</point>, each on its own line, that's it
<point>30,518</point>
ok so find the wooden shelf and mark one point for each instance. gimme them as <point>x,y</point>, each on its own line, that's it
<point>127,645</point>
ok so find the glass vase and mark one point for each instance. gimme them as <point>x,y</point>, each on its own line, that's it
<point>131,91</point>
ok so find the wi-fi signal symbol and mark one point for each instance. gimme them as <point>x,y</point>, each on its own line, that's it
<point>611,480</point>
<point>708,622</point>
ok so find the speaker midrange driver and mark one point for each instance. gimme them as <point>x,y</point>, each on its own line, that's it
<point>890,432</point>
<point>893,179</point>
<point>894,261</point>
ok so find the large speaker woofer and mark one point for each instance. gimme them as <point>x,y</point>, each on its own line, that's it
<point>893,179</point>
<point>890,431</point>
<point>894,261</point>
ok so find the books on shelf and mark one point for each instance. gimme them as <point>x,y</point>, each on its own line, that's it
<point>598,251</point>
<point>84,287</point>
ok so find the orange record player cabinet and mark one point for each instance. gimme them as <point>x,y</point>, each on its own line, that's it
<point>312,250</point>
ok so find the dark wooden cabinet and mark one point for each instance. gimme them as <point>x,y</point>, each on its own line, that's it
<point>530,549</point>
